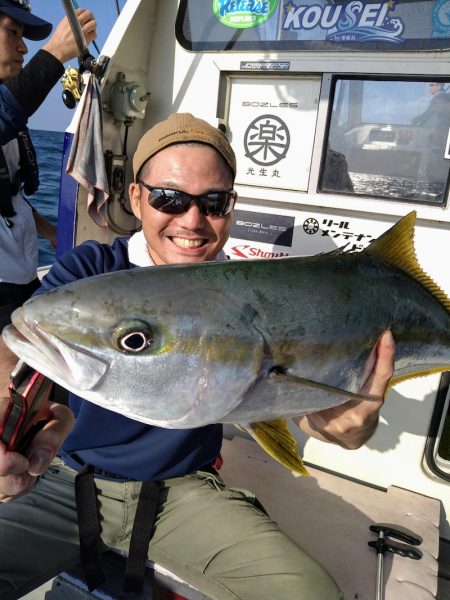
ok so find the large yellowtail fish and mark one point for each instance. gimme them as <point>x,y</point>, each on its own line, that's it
<point>238,342</point>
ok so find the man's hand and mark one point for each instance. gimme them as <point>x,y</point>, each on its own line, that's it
<point>62,44</point>
<point>353,423</point>
<point>18,473</point>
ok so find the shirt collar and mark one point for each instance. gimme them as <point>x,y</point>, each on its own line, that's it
<point>138,252</point>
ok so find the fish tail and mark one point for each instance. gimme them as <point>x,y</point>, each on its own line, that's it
<point>279,443</point>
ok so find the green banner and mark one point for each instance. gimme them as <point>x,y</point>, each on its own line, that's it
<point>243,14</point>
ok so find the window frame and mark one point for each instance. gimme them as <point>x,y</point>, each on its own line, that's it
<point>334,77</point>
<point>234,44</point>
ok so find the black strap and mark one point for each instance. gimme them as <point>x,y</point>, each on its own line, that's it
<point>6,205</point>
<point>89,527</point>
<point>27,174</point>
<point>89,531</point>
<point>29,170</point>
<point>141,535</point>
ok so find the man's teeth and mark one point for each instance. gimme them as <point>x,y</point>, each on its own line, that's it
<point>184,243</point>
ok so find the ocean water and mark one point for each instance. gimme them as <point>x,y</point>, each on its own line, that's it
<point>49,150</point>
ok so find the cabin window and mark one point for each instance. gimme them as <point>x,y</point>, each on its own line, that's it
<point>444,441</point>
<point>389,139</point>
<point>437,447</point>
<point>318,25</point>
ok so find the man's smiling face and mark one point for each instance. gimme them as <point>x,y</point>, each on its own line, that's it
<point>190,237</point>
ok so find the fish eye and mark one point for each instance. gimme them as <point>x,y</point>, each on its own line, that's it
<point>135,341</point>
<point>133,337</point>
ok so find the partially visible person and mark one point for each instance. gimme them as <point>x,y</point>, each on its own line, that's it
<point>435,121</point>
<point>22,91</point>
<point>438,110</point>
<point>216,538</point>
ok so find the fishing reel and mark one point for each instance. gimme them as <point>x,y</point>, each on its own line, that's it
<point>72,80</point>
<point>71,84</point>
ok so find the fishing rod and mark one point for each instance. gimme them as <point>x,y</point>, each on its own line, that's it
<point>75,5</point>
<point>71,81</point>
<point>87,61</point>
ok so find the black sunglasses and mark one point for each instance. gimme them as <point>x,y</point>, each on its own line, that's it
<point>176,202</point>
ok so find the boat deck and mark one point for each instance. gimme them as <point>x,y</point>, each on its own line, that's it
<point>330,516</point>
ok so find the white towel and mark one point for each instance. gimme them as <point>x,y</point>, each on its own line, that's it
<point>86,163</point>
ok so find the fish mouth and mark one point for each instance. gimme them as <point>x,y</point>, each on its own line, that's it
<point>66,364</point>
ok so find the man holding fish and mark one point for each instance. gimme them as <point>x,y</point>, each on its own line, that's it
<point>218,539</point>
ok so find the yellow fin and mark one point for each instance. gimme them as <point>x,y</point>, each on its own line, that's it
<point>396,246</point>
<point>399,377</point>
<point>279,443</point>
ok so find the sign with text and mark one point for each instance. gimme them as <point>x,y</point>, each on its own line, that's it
<point>263,227</point>
<point>272,123</point>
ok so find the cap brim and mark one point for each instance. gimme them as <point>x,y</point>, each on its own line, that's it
<point>34,28</point>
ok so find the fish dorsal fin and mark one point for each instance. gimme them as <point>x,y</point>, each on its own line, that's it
<point>396,247</point>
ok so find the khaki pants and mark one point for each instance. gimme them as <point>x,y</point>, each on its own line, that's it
<point>213,537</point>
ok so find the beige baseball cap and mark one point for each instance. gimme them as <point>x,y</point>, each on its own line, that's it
<point>179,128</point>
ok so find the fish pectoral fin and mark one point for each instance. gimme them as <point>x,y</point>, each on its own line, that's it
<point>275,438</point>
<point>281,377</point>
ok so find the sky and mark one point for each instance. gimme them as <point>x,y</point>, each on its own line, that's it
<point>53,115</point>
